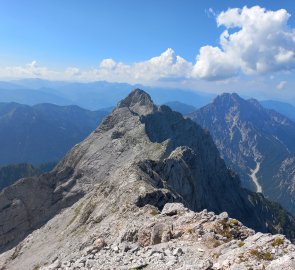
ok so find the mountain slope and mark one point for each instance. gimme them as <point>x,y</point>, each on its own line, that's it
<point>257,143</point>
<point>140,156</point>
<point>180,107</point>
<point>42,133</point>
<point>281,107</point>
<point>9,174</point>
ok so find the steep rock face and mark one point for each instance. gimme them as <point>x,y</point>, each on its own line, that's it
<point>140,155</point>
<point>255,142</point>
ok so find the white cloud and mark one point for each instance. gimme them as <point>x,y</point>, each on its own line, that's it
<point>30,70</point>
<point>72,71</point>
<point>281,85</point>
<point>256,41</point>
<point>166,65</point>
<point>108,64</point>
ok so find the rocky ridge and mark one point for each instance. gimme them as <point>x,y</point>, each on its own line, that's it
<point>112,186</point>
<point>177,238</point>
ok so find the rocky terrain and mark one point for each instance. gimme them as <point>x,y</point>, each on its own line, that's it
<point>107,205</point>
<point>177,238</point>
<point>255,142</point>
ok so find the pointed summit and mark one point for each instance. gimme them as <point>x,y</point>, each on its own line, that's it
<point>139,102</point>
<point>228,98</point>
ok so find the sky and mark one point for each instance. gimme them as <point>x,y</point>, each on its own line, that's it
<point>212,46</point>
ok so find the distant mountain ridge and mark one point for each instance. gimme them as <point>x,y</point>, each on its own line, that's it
<point>256,142</point>
<point>91,95</point>
<point>11,173</point>
<point>281,107</point>
<point>181,107</point>
<point>42,133</point>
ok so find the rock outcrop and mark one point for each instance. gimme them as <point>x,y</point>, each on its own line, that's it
<point>178,238</point>
<point>112,186</point>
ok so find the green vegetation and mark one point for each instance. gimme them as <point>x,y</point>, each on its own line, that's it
<point>277,242</point>
<point>279,219</point>
<point>234,222</point>
<point>227,229</point>
<point>77,212</point>
<point>241,244</point>
<point>261,255</point>
<point>154,212</point>
<point>216,243</point>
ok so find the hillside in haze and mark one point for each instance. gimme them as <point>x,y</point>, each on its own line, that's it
<point>281,107</point>
<point>11,173</point>
<point>256,142</point>
<point>181,107</point>
<point>92,96</point>
<point>42,133</point>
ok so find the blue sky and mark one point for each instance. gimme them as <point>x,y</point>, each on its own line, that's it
<point>51,36</point>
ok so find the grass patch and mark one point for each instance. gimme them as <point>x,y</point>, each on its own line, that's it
<point>241,243</point>
<point>216,243</point>
<point>277,242</point>
<point>77,212</point>
<point>216,255</point>
<point>154,212</point>
<point>261,255</point>
<point>234,222</point>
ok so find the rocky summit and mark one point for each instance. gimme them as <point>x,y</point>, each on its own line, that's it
<point>132,196</point>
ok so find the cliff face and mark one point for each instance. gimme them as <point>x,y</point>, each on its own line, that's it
<point>140,155</point>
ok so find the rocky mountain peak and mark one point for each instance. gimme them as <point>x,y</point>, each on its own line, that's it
<point>255,142</point>
<point>139,159</point>
<point>139,102</point>
<point>228,98</point>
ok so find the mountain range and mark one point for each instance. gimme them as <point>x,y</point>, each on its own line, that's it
<point>92,95</point>
<point>42,133</point>
<point>255,142</point>
<point>123,174</point>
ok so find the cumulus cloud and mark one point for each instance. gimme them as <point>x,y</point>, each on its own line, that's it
<point>255,41</point>
<point>73,71</point>
<point>281,85</point>
<point>166,65</point>
<point>30,70</point>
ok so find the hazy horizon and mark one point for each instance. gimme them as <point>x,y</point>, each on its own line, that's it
<point>211,47</point>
